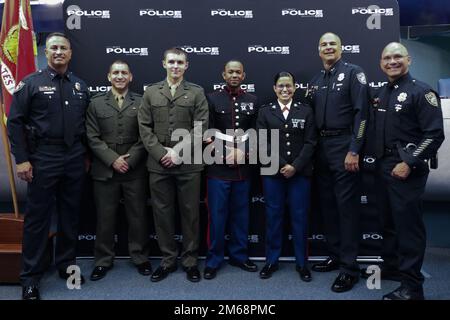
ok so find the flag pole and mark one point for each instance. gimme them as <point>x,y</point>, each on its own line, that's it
<point>9,162</point>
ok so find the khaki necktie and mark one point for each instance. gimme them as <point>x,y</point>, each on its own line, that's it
<point>119,100</point>
<point>173,89</point>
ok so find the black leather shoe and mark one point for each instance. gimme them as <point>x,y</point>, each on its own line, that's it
<point>344,282</point>
<point>99,272</point>
<point>192,274</point>
<point>304,273</point>
<point>162,272</point>
<point>64,275</point>
<point>386,274</point>
<point>405,293</point>
<point>30,293</point>
<point>326,266</point>
<point>145,268</point>
<point>247,265</point>
<point>267,271</point>
<point>209,273</point>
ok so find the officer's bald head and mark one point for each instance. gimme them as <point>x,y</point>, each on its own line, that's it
<point>330,49</point>
<point>395,61</point>
<point>395,46</point>
<point>331,36</point>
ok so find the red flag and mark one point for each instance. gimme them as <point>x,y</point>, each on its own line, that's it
<point>17,47</point>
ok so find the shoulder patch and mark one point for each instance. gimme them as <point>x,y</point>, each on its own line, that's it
<point>361,78</point>
<point>432,99</point>
<point>19,86</point>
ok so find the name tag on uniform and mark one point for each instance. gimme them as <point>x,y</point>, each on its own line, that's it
<point>47,89</point>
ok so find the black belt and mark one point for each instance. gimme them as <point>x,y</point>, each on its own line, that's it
<point>54,141</point>
<point>333,132</point>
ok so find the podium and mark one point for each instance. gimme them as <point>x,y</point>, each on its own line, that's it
<point>11,229</point>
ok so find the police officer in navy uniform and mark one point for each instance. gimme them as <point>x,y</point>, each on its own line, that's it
<point>339,96</point>
<point>46,129</point>
<point>228,184</point>
<point>118,170</point>
<point>409,131</point>
<point>291,183</point>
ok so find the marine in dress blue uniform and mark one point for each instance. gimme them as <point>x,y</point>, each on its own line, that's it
<point>228,182</point>
<point>339,96</point>
<point>409,131</point>
<point>297,140</point>
<point>46,129</point>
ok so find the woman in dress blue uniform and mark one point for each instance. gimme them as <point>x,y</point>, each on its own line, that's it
<point>291,184</point>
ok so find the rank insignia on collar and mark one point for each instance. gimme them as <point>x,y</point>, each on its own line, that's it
<point>361,78</point>
<point>77,86</point>
<point>432,99</point>
<point>402,97</point>
<point>341,77</point>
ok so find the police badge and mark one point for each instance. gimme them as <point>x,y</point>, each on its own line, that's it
<point>77,86</point>
<point>402,97</point>
<point>341,77</point>
<point>361,78</point>
<point>432,99</point>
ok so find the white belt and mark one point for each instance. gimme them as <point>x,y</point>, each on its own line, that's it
<point>227,137</point>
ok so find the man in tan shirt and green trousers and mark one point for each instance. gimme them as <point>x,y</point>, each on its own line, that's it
<point>118,170</point>
<point>167,106</point>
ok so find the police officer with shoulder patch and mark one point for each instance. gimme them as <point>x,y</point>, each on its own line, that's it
<point>46,128</point>
<point>174,178</point>
<point>409,131</point>
<point>339,95</point>
<point>118,170</point>
<point>228,184</point>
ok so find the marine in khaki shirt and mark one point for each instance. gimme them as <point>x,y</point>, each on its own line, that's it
<point>166,106</point>
<point>118,170</point>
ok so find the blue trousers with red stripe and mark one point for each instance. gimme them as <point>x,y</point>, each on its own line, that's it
<point>228,204</point>
<point>296,192</point>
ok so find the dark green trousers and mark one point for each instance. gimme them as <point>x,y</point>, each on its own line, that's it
<point>165,190</point>
<point>107,195</point>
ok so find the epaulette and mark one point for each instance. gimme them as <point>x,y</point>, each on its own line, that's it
<point>134,94</point>
<point>193,85</point>
<point>98,95</point>
<point>423,85</point>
